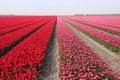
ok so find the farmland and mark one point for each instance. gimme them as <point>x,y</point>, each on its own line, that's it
<point>60,48</point>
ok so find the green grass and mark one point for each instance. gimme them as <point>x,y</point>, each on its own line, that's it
<point>108,46</point>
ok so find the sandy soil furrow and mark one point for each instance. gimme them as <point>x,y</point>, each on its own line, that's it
<point>111,58</point>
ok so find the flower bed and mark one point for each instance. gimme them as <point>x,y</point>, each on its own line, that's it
<point>78,61</point>
<point>24,60</point>
<point>102,36</point>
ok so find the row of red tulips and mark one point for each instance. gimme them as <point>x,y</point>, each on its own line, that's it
<point>23,61</point>
<point>27,23</point>
<point>10,21</point>
<point>78,61</point>
<point>17,20</point>
<point>6,29</point>
<point>9,38</point>
<point>107,38</point>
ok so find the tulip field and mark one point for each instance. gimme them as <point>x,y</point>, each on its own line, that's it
<point>24,41</point>
<point>110,41</point>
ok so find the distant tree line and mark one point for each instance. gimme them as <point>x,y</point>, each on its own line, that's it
<point>97,14</point>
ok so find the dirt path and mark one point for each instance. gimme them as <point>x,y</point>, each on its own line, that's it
<point>111,58</point>
<point>50,70</point>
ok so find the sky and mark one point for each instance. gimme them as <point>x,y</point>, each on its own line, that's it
<point>59,7</point>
